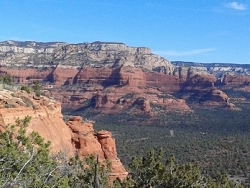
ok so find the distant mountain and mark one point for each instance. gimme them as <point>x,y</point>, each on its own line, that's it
<point>218,69</point>
<point>113,77</point>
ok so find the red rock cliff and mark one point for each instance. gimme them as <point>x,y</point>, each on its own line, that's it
<point>46,117</point>
<point>105,72</point>
<point>76,136</point>
<point>101,143</point>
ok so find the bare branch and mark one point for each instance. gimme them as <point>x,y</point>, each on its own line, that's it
<point>32,155</point>
<point>5,181</point>
<point>50,174</point>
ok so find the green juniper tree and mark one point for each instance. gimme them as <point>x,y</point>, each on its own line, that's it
<point>151,172</point>
<point>82,173</point>
<point>25,88</point>
<point>37,88</point>
<point>6,80</point>
<point>25,161</point>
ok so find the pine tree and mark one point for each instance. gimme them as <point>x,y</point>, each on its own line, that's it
<point>151,171</point>
<point>88,172</point>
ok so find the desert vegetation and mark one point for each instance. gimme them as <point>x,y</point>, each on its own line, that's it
<point>216,139</point>
<point>26,162</point>
<point>35,87</point>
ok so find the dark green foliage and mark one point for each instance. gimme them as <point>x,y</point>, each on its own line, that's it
<point>37,88</point>
<point>25,88</point>
<point>216,139</point>
<point>25,162</point>
<point>82,172</point>
<point>152,171</point>
<point>6,82</point>
<point>218,148</point>
<point>6,79</point>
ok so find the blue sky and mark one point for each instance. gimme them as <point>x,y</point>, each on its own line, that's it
<point>213,31</point>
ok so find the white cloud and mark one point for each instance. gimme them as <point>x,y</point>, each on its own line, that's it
<point>236,6</point>
<point>185,53</point>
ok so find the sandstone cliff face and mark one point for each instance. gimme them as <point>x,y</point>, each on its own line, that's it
<point>235,80</point>
<point>76,136</point>
<point>226,74</point>
<point>201,81</point>
<point>101,72</point>
<point>132,77</point>
<point>46,117</point>
<point>61,63</point>
<point>86,142</point>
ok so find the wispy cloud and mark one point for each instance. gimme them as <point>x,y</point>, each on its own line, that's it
<point>236,6</point>
<point>182,8</point>
<point>185,53</point>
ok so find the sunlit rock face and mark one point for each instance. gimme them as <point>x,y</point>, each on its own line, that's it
<point>86,141</point>
<point>45,113</point>
<point>102,73</point>
<point>74,137</point>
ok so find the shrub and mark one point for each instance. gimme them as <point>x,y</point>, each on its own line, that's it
<point>25,88</point>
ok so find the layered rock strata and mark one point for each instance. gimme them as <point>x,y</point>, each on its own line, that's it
<point>46,119</point>
<point>75,74</point>
<point>101,143</point>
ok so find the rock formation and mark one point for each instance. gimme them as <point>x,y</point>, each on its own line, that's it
<point>46,117</point>
<point>217,69</point>
<point>235,80</point>
<point>86,141</point>
<point>76,136</point>
<point>101,73</point>
<point>85,55</point>
<point>225,73</point>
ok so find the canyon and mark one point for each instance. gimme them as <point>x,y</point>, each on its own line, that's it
<point>112,77</point>
<point>106,78</point>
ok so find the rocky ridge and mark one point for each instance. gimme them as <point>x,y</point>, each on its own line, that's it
<point>104,74</point>
<point>77,136</point>
<point>218,69</point>
<point>79,56</point>
<point>228,75</point>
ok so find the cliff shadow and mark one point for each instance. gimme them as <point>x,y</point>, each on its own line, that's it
<point>74,81</point>
<point>90,104</point>
<point>113,79</point>
<point>50,76</point>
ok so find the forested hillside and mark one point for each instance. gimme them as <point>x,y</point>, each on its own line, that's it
<point>216,139</point>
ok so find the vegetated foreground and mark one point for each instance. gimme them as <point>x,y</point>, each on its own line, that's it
<point>26,160</point>
<point>216,139</point>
